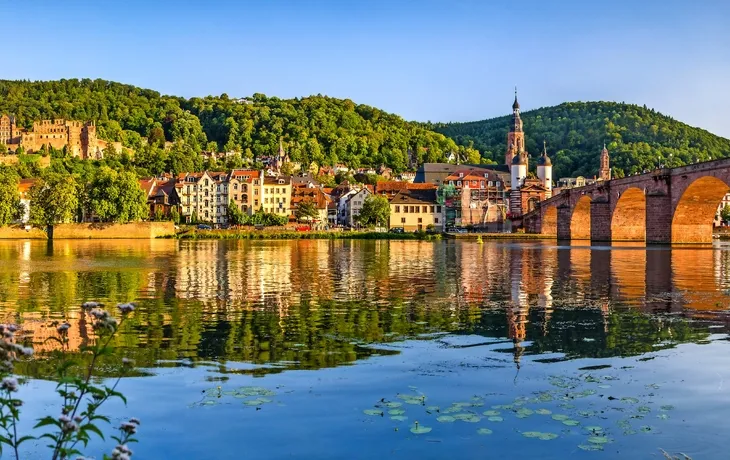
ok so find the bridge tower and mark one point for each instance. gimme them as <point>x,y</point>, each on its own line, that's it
<point>604,171</point>
<point>545,171</point>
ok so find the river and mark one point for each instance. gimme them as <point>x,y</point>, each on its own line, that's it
<point>400,349</point>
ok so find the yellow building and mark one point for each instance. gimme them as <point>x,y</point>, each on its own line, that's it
<point>275,195</point>
<point>416,210</point>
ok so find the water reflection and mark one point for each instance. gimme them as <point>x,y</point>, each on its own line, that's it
<point>318,303</point>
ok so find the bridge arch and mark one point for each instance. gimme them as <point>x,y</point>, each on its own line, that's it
<point>628,220</point>
<point>695,210</point>
<point>580,221</point>
<point>550,221</point>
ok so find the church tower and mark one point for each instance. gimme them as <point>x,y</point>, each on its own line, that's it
<point>545,170</point>
<point>604,172</point>
<point>515,136</point>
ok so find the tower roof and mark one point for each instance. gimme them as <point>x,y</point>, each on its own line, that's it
<point>515,104</point>
<point>605,150</point>
<point>544,159</point>
<point>520,159</point>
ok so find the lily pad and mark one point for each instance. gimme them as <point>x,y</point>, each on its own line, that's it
<point>567,406</point>
<point>646,429</point>
<point>484,431</point>
<point>605,387</point>
<point>399,418</point>
<point>470,418</point>
<point>490,413</point>
<point>445,419</point>
<point>663,416</point>
<point>547,436</point>
<point>396,412</point>
<point>543,412</point>
<point>630,400</point>
<point>594,429</point>
<point>373,412</point>
<point>420,429</point>
<point>560,417</point>
<point>598,440</point>
<point>531,434</point>
<point>644,409</point>
<point>667,407</point>
<point>586,413</point>
<point>570,422</point>
<point>523,412</point>
<point>392,404</point>
<point>495,418</point>
<point>432,408</point>
<point>590,447</point>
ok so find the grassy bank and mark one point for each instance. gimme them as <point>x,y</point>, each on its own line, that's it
<point>293,235</point>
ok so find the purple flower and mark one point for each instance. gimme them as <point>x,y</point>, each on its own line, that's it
<point>9,384</point>
<point>126,307</point>
<point>91,304</point>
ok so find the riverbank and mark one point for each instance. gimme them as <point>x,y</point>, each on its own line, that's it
<point>294,235</point>
<point>92,231</point>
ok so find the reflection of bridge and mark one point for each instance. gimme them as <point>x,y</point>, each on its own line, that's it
<point>675,205</point>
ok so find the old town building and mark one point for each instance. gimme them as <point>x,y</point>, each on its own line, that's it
<point>416,210</point>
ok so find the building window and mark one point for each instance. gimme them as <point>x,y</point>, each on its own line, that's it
<point>458,183</point>
<point>436,220</point>
<point>425,209</point>
<point>431,209</point>
<point>402,220</point>
<point>490,183</point>
<point>420,220</point>
<point>405,209</point>
<point>438,209</point>
<point>397,209</point>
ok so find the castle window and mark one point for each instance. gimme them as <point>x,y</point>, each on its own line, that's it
<point>402,220</point>
<point>397,209</point>
<point>490,183</point>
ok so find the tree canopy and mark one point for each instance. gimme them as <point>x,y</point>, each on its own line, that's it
<point>306,211</point>
<point>53,199</point>
<point>637,138</point>
<point>375,211</point>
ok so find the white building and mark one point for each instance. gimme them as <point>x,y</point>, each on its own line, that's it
<point>350,205</point>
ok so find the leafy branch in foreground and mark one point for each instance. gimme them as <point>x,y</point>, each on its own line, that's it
<point>79,420</point>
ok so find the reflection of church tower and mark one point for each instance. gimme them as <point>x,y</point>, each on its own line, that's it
<point>515,136</point>
<point>518,310</point>
<point>604,172</point>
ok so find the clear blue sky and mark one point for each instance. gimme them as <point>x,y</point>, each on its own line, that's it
<point>448,60</point>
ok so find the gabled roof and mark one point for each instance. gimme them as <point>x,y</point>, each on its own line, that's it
<point>415,197</point>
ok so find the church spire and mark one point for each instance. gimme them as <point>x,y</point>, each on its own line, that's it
<point>604,170</point>
<point>515,104</point>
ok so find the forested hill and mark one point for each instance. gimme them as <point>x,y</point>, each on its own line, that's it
<point>317,128</point>
<point>637,138</point>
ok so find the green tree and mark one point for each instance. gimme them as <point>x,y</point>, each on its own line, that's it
<point>306,211</point>
<point>235,215</point>
<point>175,215</point>
<point>725,213</point>
<point>117,196</point>
<point>3,149</point>
<point>53,199</point>
<point>10,206</point>
<point>375,211</point>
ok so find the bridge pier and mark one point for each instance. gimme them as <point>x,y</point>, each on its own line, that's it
<point>658,218</point>
<point>565,215</point>
<point>600,220</point>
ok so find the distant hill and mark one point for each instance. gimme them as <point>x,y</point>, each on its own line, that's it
<point>316,128</point>
<point>637,138</point>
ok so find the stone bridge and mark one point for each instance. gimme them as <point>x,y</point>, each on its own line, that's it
<point>676,205</point>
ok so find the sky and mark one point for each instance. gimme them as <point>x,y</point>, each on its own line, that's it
<point>437,60</point>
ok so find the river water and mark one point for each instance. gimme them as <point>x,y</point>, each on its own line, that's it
<point>400,349</point>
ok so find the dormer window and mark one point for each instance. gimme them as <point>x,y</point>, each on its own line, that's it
<point>461,174</point>
<point>486,175</point>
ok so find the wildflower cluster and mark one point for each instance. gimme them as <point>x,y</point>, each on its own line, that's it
<point>79,416</point>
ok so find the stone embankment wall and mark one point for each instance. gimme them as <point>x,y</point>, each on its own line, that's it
<point>139,230</point>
